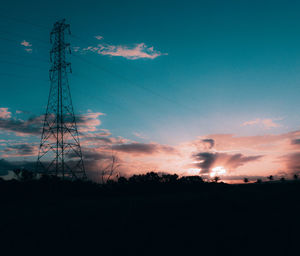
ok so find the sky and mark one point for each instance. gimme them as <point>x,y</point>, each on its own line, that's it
<point>186,87</point>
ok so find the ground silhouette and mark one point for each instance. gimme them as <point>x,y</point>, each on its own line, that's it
<point>149,215</point>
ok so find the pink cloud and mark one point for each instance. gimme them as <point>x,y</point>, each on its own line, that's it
<point>137,51</point>
<point>99,37</point>
<point>26,43</point>
<point>29,50</point>
<point>27,46</point>
<point>4,113</point>
<point>267,123</point>
<point>89,122</point>
<point>131,52</point>
<point>140,135</point>
<point>86,123</point>
<point>19,150</point>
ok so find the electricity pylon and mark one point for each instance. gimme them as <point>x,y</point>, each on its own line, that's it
<point>60,152</point>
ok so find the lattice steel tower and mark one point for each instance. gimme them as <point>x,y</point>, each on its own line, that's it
<point>60,151</point>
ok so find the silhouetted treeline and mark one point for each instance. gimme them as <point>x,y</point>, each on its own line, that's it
<point>28,184</point>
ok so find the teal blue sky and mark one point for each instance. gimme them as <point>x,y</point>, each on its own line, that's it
<point>222,63</point>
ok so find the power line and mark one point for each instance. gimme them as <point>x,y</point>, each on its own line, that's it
<point>22,21</point>
<point>95,96</point>
<point>115,74</point>
<point>9,53</point>
<point>139,69</point>
<point>20,64</point>
<point>14,75</point>
<point>6,39</point>
<point>133,83</point>
<point>24,36</point>
<point>153,92</point>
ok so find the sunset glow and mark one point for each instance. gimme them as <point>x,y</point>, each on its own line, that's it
<point>218,171</point>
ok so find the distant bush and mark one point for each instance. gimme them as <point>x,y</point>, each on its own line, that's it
<point>24,175</point>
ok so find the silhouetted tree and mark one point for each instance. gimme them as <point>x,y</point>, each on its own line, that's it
<point>122,180</point>
<point>295,176</point>
<point>191,179</point>
<point>216,179</point>
<point>246,180</point>
<point>24,175</point>
<point>149,177</point>
<point>17,173</point>
<point>110,168</point>
<point>195,179</point>
<point>110,182</point>
<point>113,166</point>
<point>271,178</point>
<point>169,178</point>
<point>152,177</point>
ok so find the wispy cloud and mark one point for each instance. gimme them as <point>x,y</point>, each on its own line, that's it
<point>99,37</point>
<point>19,150</point>
<point>144,148</point>
<point>26,43</point>
<point>27,46</point>
<point>134,52</point>
<point>89,122</point>
<point>267,123</point>
<point>140,135</point>
<point>131,52</point>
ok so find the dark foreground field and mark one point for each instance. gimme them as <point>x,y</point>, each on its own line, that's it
<point>150,219</point>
